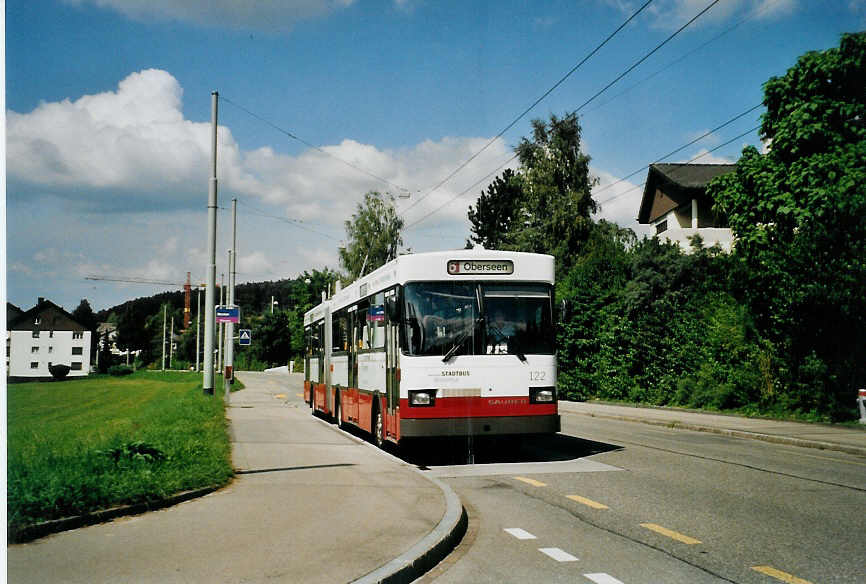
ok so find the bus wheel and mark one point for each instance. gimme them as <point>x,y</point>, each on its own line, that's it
<point>378,430</point>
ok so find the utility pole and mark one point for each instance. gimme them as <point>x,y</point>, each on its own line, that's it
<point>230,327</point>
<point>209,311</point>
<point>164,308</point>
<point>197,329</point>
<point>171,344</point>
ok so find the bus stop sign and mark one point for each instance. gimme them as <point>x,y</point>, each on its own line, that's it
<point>245,336</point>
<point>228,314</point>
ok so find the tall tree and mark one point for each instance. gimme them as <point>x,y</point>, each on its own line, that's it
<point>798,213</point>
<point>84,314</point>
<point>494,210</point>
<point>555,215</point>
<point>546,206</point>
<point>374,235</point>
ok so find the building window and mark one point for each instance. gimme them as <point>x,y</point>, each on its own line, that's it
<point>662,227</point>
<point>35,334</point>
<point>34,364</point>
<point>77,350</point>
<point>76,366</point>
<point>77,335</point>
<point>34,349</point>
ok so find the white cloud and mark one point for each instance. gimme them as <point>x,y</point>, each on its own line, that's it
<point>619,201</point>
<point>703,156</point>
<point>117,182</point>
<point>672,14</point>
<point>269,16</point>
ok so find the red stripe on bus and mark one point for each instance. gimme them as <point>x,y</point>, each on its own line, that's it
<point>476,407</point>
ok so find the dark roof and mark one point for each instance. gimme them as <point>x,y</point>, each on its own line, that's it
<point>680,182</point>
<point>12,313</point>
<point>51,317</point>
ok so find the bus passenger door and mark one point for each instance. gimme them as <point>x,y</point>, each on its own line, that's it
<point>392,363</point>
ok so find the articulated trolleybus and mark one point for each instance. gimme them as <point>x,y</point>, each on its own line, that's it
<point>455,343</point>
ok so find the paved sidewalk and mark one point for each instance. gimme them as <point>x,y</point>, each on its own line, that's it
<point>310,504</point>
<point>823,436</point>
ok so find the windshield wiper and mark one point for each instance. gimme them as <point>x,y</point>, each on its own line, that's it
<point>460,340</point>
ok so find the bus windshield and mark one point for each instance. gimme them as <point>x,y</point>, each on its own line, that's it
<point>446,319</point>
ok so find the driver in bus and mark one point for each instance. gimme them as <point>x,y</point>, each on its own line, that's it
<point>499,331</point>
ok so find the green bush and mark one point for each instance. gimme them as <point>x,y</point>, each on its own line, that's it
<point>120,370</point>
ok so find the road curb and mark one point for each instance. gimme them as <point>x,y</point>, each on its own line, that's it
<point>430,550</point>
<point>774,439</point>
<point>37,530</point>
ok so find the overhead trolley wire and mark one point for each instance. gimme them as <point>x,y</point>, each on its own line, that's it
<point>648,55</point>
<point>681,148</point>
<point>293,222</point>
<point>527,110</point>
<point>698,157</point>
<point>460,194</point>
<point>751,15</point>
<point>314,147</point>
<point>598,93</point>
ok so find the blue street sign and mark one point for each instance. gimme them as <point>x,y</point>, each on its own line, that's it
<point>245,336</point>
<point>228,314</point>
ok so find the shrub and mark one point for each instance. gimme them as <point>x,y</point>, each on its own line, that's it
<point>119,370</point>
<point>59,371</point>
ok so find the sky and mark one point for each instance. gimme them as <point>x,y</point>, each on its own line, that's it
<point>108,119</point>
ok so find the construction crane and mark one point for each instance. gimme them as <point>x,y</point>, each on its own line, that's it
<point>187,289</point>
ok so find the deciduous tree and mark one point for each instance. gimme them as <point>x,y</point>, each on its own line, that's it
<point>373,235</point>
<point>798,213</point>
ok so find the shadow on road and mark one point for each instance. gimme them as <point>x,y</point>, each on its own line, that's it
<point>493,450</point>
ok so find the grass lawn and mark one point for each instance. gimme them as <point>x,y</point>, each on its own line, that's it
<point>83,445</point>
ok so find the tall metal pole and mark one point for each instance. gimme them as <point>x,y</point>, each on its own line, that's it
<point>197,330</point>
<point>164,307</point>
<point>230,327</point>
<point>171,344</point>
<point>209,315</point>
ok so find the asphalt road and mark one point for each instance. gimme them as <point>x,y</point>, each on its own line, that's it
<point>617,502</point>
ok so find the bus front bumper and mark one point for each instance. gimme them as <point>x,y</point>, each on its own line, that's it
<point>486,426</point>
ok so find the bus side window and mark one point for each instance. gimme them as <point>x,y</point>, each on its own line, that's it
<point>376,321</point>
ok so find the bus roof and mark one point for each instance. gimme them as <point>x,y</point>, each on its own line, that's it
<point>454,265</point>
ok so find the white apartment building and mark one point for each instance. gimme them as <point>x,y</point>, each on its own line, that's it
<point>43,336</point>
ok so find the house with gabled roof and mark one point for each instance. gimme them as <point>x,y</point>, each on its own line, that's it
<point>676,204</point>
<point>43,336</point>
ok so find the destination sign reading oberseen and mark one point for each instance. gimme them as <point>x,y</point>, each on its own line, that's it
<point>485,267</point>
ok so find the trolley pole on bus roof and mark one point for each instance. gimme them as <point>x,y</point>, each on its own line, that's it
<point>209,315</point>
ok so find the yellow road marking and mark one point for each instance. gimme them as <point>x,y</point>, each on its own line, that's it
<point>299,395</point>
<point>671,534</point>
<point>587,502</point>
<point>532,482</point>
<point>280,396</point>
<point>779,575</point>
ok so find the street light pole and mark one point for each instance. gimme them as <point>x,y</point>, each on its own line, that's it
<point>209,315</point>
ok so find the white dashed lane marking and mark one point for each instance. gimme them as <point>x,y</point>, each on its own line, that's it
<point>558,555</point>
<point>519,533</point>
<point>602,578</point>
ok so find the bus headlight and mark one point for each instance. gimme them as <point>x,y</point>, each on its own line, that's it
<point>542,395</point>
<point>422,397</point>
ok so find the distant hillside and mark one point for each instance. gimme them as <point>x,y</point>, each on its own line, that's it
<point>252,297</point>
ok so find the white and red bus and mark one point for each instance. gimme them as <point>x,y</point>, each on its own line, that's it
<point>454,343</point>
